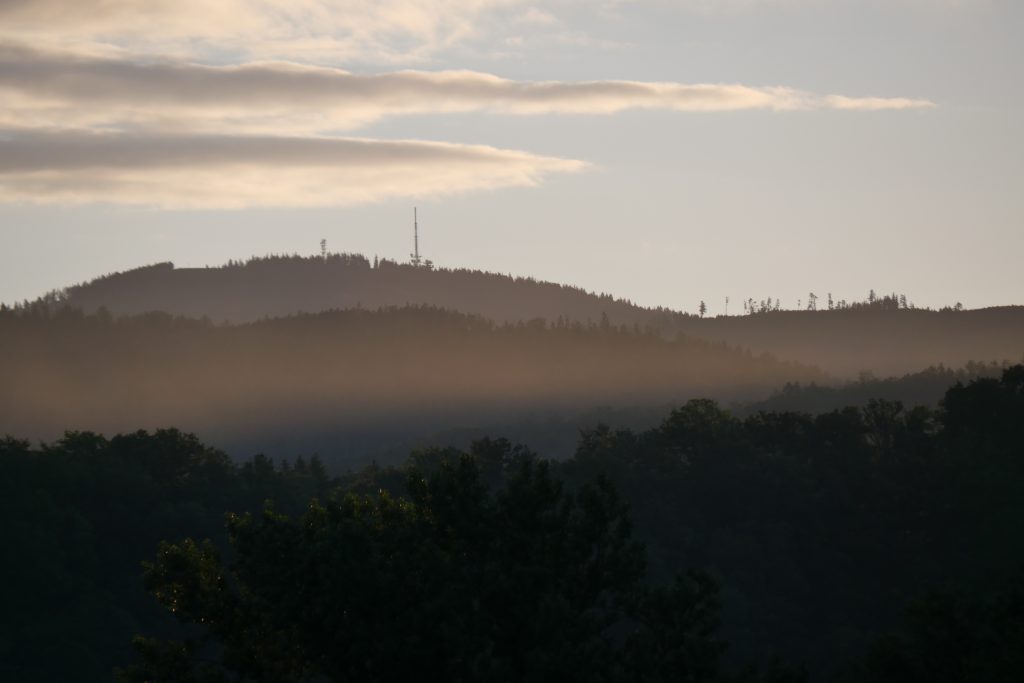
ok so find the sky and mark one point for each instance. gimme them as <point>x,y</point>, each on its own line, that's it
<point>663,151</point>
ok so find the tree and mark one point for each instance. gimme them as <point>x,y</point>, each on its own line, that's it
<point>703,309</point>
<point>953,638</point>
<point>455,582</point>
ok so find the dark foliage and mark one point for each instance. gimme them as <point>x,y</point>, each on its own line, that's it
<point>450,583</point>
<point>924,388</point>
<point>821,530</point>
<point>950,637</point>
<point>79,515</point>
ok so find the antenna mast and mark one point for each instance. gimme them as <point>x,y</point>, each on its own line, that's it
<point>323,249</point>
<point>416,261</point>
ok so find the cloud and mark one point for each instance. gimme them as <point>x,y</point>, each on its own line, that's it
<point>66,89</point>
<point>351,30</point>
<point>732,5</point>
<point>208,171</point>
<point>874,103</point>
<point>89,117</point>
<point>342,31</point>
<point>536,16</point>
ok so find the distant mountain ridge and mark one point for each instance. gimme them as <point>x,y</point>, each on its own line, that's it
<point>280,286</point>
<point>885,340</point>
<point>345,380</point>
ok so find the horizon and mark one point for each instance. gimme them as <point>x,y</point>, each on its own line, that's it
<point>802,304</point>
<point>667,152</point>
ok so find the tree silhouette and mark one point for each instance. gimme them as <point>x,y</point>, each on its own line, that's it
<point>951,637</point>
<point>820,527</point>
<point>453,582</point>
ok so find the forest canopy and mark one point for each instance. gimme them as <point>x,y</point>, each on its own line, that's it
<point>819,532</point>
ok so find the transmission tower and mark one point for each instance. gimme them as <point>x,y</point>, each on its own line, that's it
<point>416,260</point>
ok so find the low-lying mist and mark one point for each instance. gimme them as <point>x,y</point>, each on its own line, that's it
<point>359,375</point>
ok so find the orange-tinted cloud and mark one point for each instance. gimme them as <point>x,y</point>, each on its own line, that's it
<point>204,171</point>
<point>65,89</point>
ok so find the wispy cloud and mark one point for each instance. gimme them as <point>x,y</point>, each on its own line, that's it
<point>89,114</point>
<point>65,89</point>
<point>735,5</point>
<point>341,31</point>
<point>207,171</point>
<point>350,30</point>
<point>874,103</point>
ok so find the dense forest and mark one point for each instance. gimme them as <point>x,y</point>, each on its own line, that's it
<point>870,544</point>
<point>340,382</point>
<point>884,334</point>
<point>923,388</point>
<point>556,435</point>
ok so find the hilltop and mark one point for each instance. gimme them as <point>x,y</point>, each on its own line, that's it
<point>883,336</point>
<point>279,286</point>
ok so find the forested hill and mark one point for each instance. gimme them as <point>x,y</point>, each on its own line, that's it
<point>280,286</point>
<point>875,339</point>
<point>879,336</point>
<point>303,381</point>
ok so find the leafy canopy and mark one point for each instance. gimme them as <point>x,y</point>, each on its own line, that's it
<point>457,581</point>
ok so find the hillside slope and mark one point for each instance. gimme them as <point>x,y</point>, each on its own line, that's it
<point>348,379</point>
<point>882,339</point>
<point>281,286</point>
<point>885,342</point>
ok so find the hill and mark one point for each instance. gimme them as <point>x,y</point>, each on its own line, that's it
<point>874,339</point>
<point>882,336</point>
<point>351,381</point>
<point>280,286</point>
